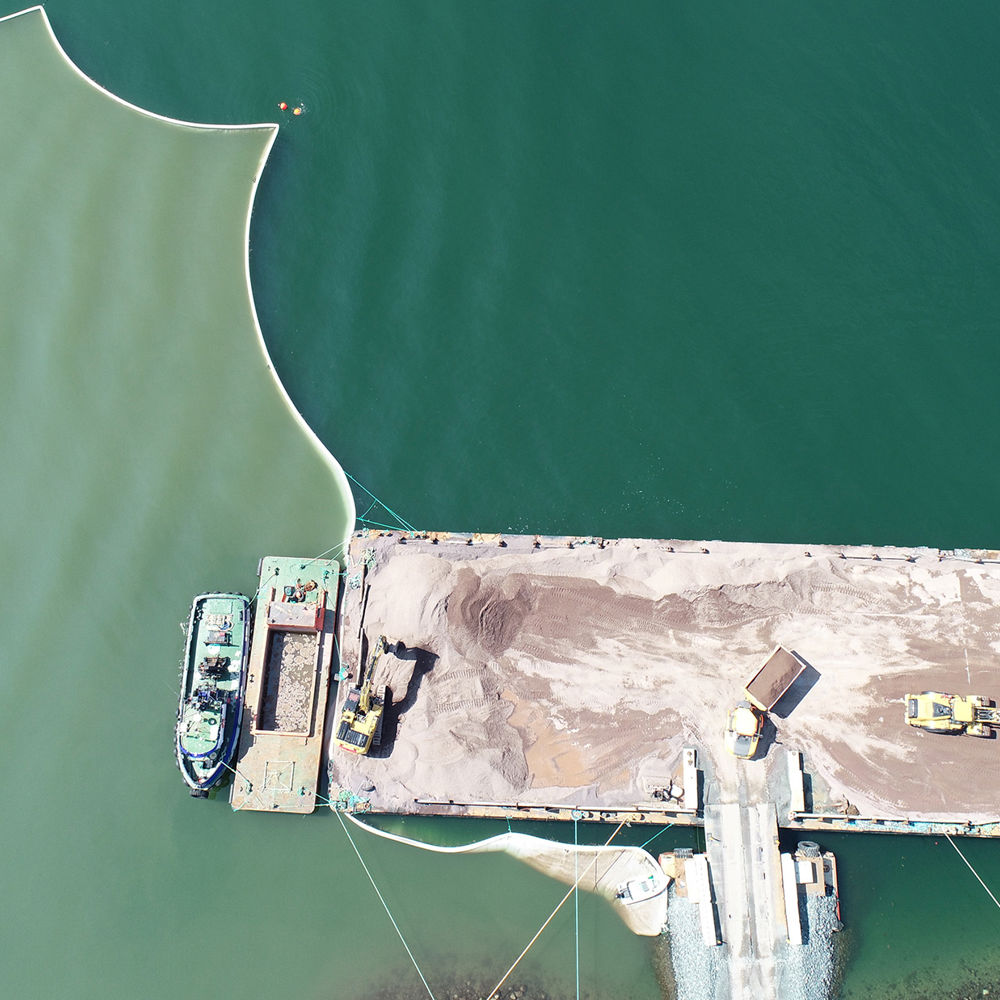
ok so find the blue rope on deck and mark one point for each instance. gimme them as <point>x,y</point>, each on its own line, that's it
<point>338,549</point>
<point>322,555</point>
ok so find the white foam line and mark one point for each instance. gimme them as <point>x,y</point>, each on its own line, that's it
<point>512,843</point>
<point>39,9</point>
<point>332,464</point>
<point>496,843</point>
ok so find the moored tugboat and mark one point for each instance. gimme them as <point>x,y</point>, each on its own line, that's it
<point>211,701</point>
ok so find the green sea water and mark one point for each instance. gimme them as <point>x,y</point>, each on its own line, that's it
<point>653,270</point>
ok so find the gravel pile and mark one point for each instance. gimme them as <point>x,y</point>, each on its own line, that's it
<point>697,967</point>
<point>804,973</point>
<point>807,972</point>
<point>287,704</point>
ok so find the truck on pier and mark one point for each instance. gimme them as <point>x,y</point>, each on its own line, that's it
<point>776,675</point>
<point>762,692</point>
<point>972,714</point>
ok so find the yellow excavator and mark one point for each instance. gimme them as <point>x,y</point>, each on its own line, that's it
<point>972,714</point>
<point>361,719</point>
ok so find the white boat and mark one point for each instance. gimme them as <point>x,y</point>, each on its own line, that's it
<point>639,889</point>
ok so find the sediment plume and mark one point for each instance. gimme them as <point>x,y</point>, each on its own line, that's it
<point>600,870</point>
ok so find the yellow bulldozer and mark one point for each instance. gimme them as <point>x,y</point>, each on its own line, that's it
<point>972,714</point>
<point>361,719</point>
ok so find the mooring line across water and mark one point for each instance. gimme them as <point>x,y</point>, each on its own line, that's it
<point>538,933</point>
<point>406,524</point>
<point>655,835</point>
<point>576,897</point>
<point>385,905</point>
<point>973,870</point>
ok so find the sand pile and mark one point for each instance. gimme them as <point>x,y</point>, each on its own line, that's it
<point>552,675</point>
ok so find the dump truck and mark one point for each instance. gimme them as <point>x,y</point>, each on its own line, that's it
<point>777,674</point>
<point>762,692</point>
<point>743,730</point>
<point>937,712</point>
<point>360,726</point>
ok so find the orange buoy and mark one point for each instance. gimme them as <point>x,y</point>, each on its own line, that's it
<point>283,106</point>
<point>296,111</point>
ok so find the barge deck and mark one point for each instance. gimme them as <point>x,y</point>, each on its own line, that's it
<point>543,677</point>
<point>288,684</point>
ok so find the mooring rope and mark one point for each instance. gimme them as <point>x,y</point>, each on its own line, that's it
<point>973,870</point>
<point>325,801</point>
<point>538,933</point>
<point>253,791</point>
<point>576,899</point>
<point>384,903</point>
<point>270,577</point>
<point>333,548</point>
<point>655,835</point>
<point>368,522</point>
<point>406,524</point>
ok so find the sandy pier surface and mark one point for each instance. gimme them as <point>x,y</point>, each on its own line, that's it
<point>540,671</point>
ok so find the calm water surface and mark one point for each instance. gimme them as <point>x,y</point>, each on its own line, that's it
<point>713,273</point>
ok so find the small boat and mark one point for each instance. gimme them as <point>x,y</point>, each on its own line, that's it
<point>211,702</point>
<point>639,889</point>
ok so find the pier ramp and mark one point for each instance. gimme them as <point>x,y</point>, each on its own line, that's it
<point>744,860</point>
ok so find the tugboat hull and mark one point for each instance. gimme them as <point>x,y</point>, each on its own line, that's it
<point>212,684</point>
